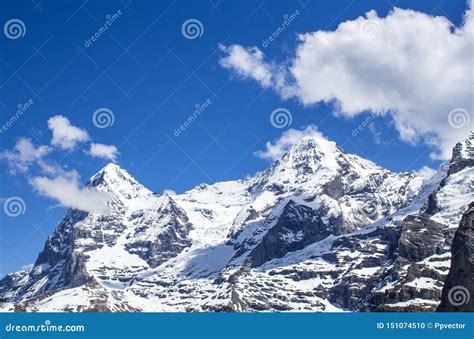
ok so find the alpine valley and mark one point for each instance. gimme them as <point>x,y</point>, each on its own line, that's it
<point>318,230</point>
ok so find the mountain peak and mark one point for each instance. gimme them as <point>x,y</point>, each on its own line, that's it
<point>114,179</point>
<point>463,154</point>
<point>314,141</point>
<point>111,166</point>
<point>465,148</point>
<point>111,171</point>
<point>311,152</point>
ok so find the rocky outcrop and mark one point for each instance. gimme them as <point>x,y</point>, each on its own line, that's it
<point>11,283</point>
<point>158,247</point>
<point>462,158</point>
<point>297,227</point>
<point>414,273</point>
<point>463,155</point>
<point>421,238</point>
<point>458,290</point>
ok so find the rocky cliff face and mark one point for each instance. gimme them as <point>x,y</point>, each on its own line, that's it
<point>415,280</point>
<point>459,285</point>
<point>319,230</point>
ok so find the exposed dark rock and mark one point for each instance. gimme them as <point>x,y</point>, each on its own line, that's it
<point>297,227</point>
<point>169,242</point>
<point>11,283</point>
<point>463,155</point>
<point>57,262</point>
<point>421,238</point>
<point>458,290</point>
<point>167,245</point>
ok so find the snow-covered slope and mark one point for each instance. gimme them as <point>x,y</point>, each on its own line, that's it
<point>319,230</point>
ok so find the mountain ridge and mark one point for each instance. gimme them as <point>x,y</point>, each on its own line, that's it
<point>319,230</point>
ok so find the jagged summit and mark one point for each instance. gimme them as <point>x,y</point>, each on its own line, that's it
<point>117,181</point>
<point>463,154</point>
<point>310,153</point>
<point>110,172</point>
<point>314,143</point>
<point>318,160</point>
<point>112,166</point>
<point>464,149</point>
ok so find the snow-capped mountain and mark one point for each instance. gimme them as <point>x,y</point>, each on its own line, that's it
<point>319,230</point>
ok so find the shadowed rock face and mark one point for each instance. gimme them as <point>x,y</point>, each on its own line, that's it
<point>462,158</point>
<point>166,244</point>
<point>421,238</point>
<point>463,155</point>
<point>11,283</point>
<point>421,241</point>
<point>58,263</point>
<point>458,290</point>
<point>297,227</point>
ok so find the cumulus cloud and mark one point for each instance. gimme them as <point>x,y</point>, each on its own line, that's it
<point>24,155</point>
<point>67,191</point>
<point>65,135</point>
<point>276,149</point>
<point>108,152</point>
<point>413,67</point>
<point>425,172</point>
<point>55,181</point>
<point>247,62</point>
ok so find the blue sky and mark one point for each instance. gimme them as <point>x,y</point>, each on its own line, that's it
<point>144,71</point>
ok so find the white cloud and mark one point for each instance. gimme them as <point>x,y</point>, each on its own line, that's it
<point>411,66</point>
<point>24,155</point>
<point>54,181</point>
<point>425,172</point>
<point>65,135</point>
<point>275,150</point>
<point>67,191</point>
<point>108,152</point>
<point>247,62</point>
